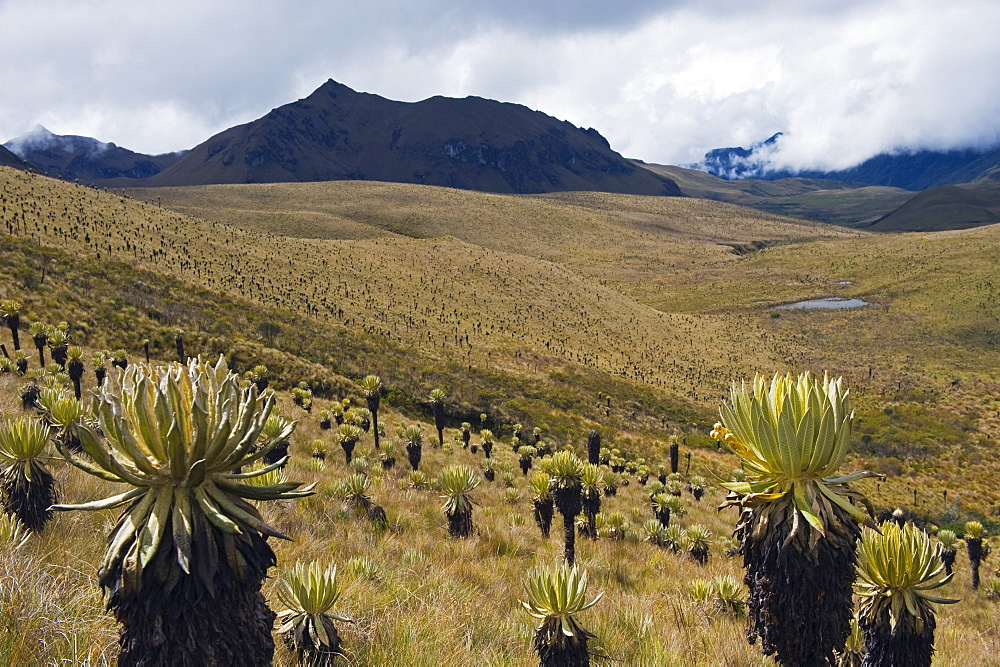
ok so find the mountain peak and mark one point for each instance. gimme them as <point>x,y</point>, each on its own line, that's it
<point>73,157</point>
<point>337,133</point>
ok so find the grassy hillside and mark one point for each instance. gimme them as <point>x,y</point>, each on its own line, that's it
<point>566,312</point>
<point>944,207</point>
<point>665,301</point>
<point>422,599</point>
<point>663,306</point>
<point>809,198</point>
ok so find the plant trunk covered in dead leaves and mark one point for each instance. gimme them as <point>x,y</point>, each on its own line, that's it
<point>309,653</point>
<point>216,615</point>
<point>901,646</point>
<point>800,597</point>
<point>28,496</point>
<point>556,649</point>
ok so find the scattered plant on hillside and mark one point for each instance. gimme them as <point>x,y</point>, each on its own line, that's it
<point>614,524</point>
<point>540,485</point>
<point>186,560</point>
<point>75,369</point>
<point>27,488</point>
<point>436,400</point>
<point>699,543</point>
<point>665,505</point>
<point>526,454</point>
<point>896,569</point>
<point>10,311</point>
<point>362,567</point>
<point>594,447</point>
<point>416,479</point>
<point>457,482</point>
<point>653,532</point>
<point>354,492</point>
<point>853,654</point>
<point>413,435</point>
<point>974,533</point>
<point>275,435</point>
<point>486,440</point>
<point>348,436</point>
<point>387,454</point>
<point>40,336</point>
<point>307,627</point>
<point>565,471</point>
<point>798,523</point>
<point>555,597</point>
<point>371,389</point>
<point>991,589</point>
<point>590,494</point>
<point>697,487</point>
<point>950,544</point>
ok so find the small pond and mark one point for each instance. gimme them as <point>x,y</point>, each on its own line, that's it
<point>829,303</point>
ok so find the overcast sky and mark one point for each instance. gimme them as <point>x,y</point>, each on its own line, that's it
<point>663,81</point>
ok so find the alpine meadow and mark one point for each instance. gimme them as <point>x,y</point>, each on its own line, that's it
<point>369,423</point>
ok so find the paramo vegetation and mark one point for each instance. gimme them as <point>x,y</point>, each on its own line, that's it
<point>266,455</point>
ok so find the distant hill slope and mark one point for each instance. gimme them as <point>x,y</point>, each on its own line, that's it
<point>810,198</point>
<point>337,133</point>
<point>941,208</point>
<point>8,159</point>
<point>71,157</point>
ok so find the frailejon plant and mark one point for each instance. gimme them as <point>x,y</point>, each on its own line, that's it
<point>699,543</point>
<point>896,569</point>
<point>526,453</point>
<point>853,654</point>
<point>974,533</point>
<point>729,595</point>
<point>10,310</point>
<point>26,485</point>
<point>275,432</point>
<point>40,336</point>
<point>354,492</point>
<point>565,471</point>
<point>799,524</point>
<point>540,485</point>
<point>436,399</point>
<point>457,483</point>
<point>414,437</point>
<point>64,414</point>
<point>555,597</point>
<point>348,435</point>
<point>590,494</point>
<point>653,532</point>
<point>950,545</point>
<point>486,440</point>
<point>186,559</point>
<point>371,389</point>
<point>75,368</point>
<point>594,447</point>
<point>309,592</point>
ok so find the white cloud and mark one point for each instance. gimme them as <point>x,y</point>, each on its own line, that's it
<point>664,82</point>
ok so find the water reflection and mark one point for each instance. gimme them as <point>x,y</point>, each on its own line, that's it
<point>829,303</point>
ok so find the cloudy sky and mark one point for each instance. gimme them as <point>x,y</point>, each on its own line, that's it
<point>664,80</point>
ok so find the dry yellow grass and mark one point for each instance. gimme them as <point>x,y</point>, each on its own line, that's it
<point>462,301</point>
<point>644,288</point>
<point>434,600</point>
